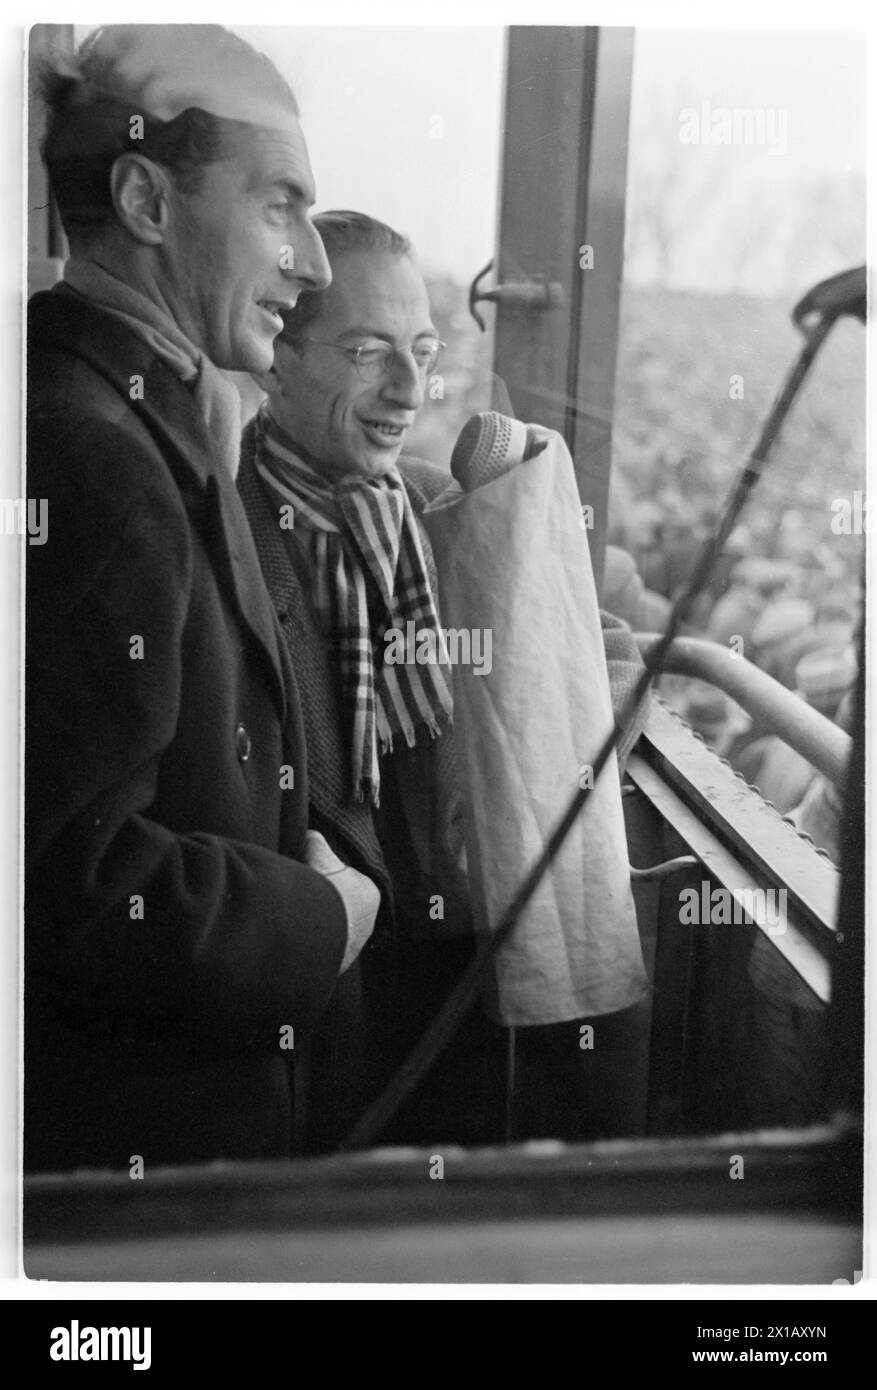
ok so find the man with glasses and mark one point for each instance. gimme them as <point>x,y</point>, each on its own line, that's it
<point>335,507</point>
<point>335,510</point>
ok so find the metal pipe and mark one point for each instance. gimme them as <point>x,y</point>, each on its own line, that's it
<point>798,724</point>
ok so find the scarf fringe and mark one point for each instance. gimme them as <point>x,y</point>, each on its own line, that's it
<point>368,790</point>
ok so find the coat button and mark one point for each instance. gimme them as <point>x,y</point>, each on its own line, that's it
<point>243,742</point>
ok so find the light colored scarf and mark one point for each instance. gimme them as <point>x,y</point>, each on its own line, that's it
<point>216,397</point>
<point>364,528</point>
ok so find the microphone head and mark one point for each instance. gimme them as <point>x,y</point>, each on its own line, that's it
<point>488,444</point>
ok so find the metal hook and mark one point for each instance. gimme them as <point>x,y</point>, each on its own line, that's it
<point>475,295</point>
<point>527,292</point>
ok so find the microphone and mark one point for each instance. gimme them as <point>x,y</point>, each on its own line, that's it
<point>488,444</point>
<point>846,293</point>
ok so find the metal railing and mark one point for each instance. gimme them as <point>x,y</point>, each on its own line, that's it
<point>770,704</point>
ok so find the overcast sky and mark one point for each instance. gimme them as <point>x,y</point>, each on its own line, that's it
<point>370,97</point>
<point>818,78</point>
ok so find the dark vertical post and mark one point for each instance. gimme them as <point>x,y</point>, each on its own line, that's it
<point>563,177</point>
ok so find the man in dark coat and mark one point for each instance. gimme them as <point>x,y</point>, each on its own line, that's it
<point>335,509</point>
<point>182,934</point>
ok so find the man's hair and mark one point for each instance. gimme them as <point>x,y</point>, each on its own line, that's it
<point>341,231</point>
<point>88,126</point>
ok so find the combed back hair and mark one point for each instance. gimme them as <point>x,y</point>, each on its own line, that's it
<point>88,125</point>
<point>342,231</point>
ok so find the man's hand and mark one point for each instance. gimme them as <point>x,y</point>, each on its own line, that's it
<point>360,896</point>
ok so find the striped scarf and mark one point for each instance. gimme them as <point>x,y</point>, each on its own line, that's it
<point>361,530</point>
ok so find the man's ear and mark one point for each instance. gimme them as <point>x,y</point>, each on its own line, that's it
<point>140,197</point>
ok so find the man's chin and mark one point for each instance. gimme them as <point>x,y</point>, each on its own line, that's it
<point>376,464</point>
<point>385,463</point>
<point>255,357</point>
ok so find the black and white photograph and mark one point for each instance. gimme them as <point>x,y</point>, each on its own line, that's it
<point>443,529</point>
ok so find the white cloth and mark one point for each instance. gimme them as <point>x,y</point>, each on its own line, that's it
<point>512,557</point>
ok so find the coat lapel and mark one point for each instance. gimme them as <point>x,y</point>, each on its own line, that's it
<point>168,410</point>
<point>302,636</point>
<point>238,563</point>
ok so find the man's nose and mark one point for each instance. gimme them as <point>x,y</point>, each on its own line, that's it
<point>404,383</point>
<point>310,264</point>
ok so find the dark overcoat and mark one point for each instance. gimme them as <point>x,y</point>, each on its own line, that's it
<point>176,948</point>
